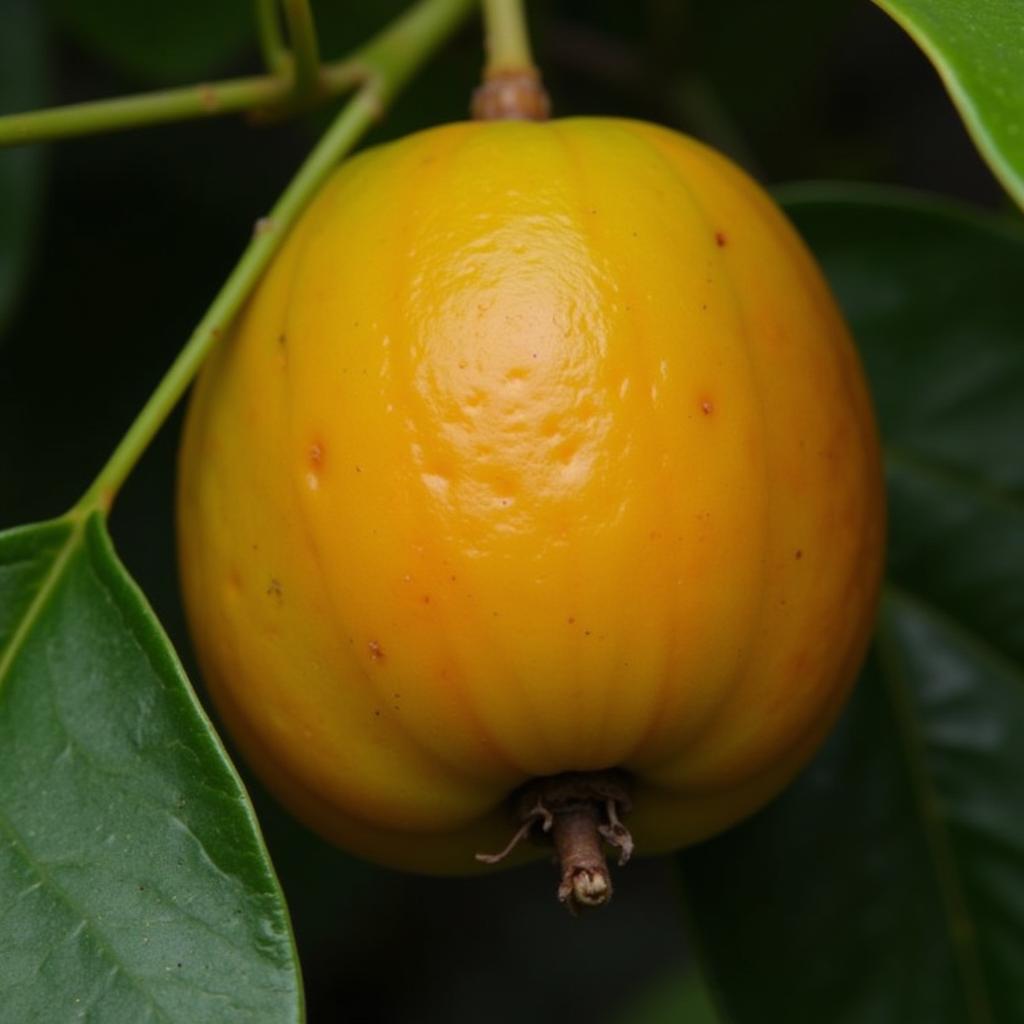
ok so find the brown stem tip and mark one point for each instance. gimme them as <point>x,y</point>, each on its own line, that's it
<point>513,95</point>
<point>578,813</point>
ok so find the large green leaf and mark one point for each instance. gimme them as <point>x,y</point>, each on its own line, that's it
<point>134,885</point>
<point>887,885</point>
<point>977,46</point>
<point>21,88</point>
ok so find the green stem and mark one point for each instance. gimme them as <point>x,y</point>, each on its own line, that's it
<point>389,60</point>
<point>425,24</point>
<point>268,26</point>
<point>395,53</point>
<point>149,108</point>
<point>261,92</point>
<point>305,51</point>
<point>508,43</point>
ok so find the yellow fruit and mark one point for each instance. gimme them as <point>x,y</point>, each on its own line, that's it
<point>541,448</point>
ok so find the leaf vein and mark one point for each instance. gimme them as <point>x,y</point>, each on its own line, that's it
<point>35,608</point>
<point>83,921</point>
<point>961,931</point>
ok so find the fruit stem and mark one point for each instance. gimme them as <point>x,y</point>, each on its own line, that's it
<point>512,87</point>
<point>579,813</point>
<point>388,61</point>
<point>585,880</point>
<point>508,42</point>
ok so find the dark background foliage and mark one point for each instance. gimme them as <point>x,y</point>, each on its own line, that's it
<point>135,232</point>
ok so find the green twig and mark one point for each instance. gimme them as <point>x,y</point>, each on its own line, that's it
<point>508,43</point>
<point>430,21</point>
<point>304,47</point>
<point>268,27</point>
<point>395,53</point>
<point>149,108</point>
<point>261,92</point>
<point>388,61</point>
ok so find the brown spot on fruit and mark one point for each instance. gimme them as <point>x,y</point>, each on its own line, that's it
<point>316,462</point>
<point>707,407</point>
<point>798,554</point>
<point>721,239</point>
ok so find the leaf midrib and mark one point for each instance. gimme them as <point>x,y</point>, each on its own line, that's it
<point>39,603</point>
<point>961,930</point>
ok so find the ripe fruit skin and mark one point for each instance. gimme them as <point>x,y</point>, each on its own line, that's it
<point>540,448</point>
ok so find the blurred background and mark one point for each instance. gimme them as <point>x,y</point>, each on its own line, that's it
<point>132,235</point>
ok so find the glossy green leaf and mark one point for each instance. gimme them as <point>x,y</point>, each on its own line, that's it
<point>21,88</point>
<point>134,885</point>
<point>886,886</point>
<point>161,42</point>
<point>977,46</point>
